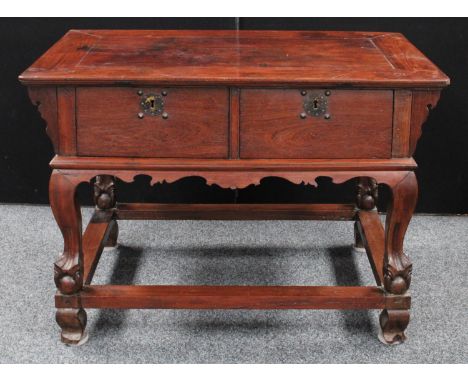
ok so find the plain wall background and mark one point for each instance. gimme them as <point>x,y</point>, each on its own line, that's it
<point>25,150</point>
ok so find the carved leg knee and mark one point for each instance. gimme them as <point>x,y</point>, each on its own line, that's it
<point>393,324</point>
<point>113,235</point>
<point>73,323</point>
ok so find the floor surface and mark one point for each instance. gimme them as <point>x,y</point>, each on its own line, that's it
<point>213,252</point>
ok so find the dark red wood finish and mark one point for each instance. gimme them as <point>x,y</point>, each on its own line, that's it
<point>196,127</point>
<point>233,297</point>
<point>271,126</point>
<point>235,58</point>
<point>234,114</point>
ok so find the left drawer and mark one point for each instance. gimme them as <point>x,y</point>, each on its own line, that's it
<point>129,122</point>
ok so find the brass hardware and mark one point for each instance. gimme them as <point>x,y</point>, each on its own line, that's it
<point>152,104</point>
<point>316,105</point>
<point>165,115</point>
<point>141,115</point>
<point>303,115</point>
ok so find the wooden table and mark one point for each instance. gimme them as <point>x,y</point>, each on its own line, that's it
<point>233,107</point>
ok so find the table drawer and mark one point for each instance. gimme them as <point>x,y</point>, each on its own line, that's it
<point>280,123</point>
<point>195,126</point>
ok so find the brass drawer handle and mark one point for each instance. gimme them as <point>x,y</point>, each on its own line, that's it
<point>315,104</point>
<point>152,104</point>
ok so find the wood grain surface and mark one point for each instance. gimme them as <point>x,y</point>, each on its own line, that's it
<point>360,125</point>
<point>268,58</point>
<point>197,123</point>
<point>231,297</point>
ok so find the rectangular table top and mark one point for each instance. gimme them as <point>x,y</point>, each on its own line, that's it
<point>229,57</point>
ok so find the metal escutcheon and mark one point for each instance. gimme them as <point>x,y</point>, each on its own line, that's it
<point>315,104</point>
<point>152,104</point>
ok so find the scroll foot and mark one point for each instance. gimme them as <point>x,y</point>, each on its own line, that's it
<point>73,323</point>
<point>393,324</point>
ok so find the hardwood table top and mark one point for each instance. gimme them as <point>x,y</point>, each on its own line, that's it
<point>235,58</point>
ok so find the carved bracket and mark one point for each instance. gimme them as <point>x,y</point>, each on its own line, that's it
<point>45,98</point>
<point>104,192</point>
<point>423,102</point>
<point>367,193</point>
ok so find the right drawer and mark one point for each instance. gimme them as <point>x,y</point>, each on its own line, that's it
<point>315,123</point>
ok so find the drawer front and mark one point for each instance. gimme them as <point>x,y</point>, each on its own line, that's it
<point>359,124</point>
<point>196,124</point>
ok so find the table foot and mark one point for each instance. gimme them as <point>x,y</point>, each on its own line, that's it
<point>392,326</point>
<point>73,323</point>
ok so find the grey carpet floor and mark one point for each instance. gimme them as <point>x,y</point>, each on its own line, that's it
<point>256,252</point>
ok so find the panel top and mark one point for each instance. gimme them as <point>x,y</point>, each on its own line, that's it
<point>237,58</point>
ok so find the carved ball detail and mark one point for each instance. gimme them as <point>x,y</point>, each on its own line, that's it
<point>367,202</point>
<point>367,193</point>
<point>398,285</point>
<point>104,201</point>
<point>104,192</point>
<point>68,281</point>
<point>66,284</point>
<point>397,281</point>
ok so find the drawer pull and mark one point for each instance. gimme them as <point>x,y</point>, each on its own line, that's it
<point>315,104</point>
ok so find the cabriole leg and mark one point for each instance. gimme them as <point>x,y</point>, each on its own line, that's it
<point>68,269</point>
<point>397,266</point>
